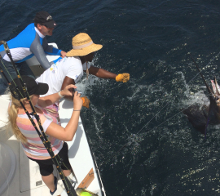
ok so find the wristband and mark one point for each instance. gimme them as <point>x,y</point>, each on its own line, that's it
<point>61,96</point>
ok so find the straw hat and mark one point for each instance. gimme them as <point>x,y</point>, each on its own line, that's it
<point>83,45</point>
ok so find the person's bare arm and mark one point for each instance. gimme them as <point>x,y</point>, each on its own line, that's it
<point>69,131</point>
<point>66,82</point>
<point>51,99</point>
<point>101,73</point>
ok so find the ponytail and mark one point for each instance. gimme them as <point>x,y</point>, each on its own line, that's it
<point>12,115</point>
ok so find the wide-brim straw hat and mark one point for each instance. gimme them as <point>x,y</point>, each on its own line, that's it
<point>83,45</point>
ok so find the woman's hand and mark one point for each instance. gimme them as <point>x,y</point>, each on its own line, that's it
<point>67,91</point>
<point>51,99</point>
<point>77,100</point>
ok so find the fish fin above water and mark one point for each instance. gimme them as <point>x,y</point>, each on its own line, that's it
<point>213,86</point>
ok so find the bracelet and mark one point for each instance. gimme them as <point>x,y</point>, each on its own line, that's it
<point>61,96</point>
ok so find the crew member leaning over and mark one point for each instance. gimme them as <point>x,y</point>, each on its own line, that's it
<point>31,41</point>
<point>69,70</point>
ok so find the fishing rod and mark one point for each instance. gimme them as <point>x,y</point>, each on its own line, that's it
<point>18,95</point>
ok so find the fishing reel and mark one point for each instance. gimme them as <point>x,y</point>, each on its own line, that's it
<point>17,92</point>
<point>14,90</point>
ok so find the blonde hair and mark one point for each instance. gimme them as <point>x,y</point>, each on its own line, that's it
<point>12,117</point>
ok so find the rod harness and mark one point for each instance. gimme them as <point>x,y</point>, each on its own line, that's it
<point>57,161</point>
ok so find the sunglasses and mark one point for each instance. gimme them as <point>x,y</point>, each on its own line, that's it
<point>45,25</point>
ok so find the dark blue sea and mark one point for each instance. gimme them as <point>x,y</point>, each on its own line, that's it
<point>143,144</point>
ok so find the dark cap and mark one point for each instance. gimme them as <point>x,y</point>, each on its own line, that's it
<point>44,18</point>
<point>33,87</point>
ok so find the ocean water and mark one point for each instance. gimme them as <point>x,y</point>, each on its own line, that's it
<point>143,144</point>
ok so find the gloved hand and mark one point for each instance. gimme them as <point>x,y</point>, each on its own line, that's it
<point>86,102</point>
<point>124,77</point>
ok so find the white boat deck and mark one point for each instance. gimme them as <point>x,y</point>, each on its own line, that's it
<point>80,156</point>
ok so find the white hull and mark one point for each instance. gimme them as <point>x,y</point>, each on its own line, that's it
<point>80,156</point>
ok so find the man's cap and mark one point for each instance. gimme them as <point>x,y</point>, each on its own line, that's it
<point>83,45</point>
<point>33,87</point>
<point>44,18</point>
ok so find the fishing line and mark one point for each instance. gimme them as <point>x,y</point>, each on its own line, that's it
<point>138,132</point>
<point>169,102</point>
<point>148,131</point>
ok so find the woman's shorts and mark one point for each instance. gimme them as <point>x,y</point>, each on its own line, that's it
<point>46,166</point>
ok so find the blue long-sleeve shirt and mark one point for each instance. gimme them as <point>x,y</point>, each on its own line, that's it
<point>28,43</point>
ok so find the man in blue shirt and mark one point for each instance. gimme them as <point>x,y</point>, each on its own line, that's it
<point>30,42</point>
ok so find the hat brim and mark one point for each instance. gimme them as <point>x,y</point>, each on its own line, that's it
<point>84,51</point>
<point>33,87</point>
<point>42,89</point>
<point>50,24</point>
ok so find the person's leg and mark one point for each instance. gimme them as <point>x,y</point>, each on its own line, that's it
<point>3,86</point>
<point>66,167</point>
<point>9,72</point>
<point>63,154</point>
<point>67,172</point>
<point>49,181</point>
<point>25,70</point>
<point>46,171</point>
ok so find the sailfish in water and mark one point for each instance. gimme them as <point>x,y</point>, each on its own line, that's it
<point>199,116</point>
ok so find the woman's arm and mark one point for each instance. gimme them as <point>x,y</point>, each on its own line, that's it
<point>51,99</point>
<point>69,131</point>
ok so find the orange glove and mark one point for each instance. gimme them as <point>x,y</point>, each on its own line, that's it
<point>85,102</point>
<point>124,77</point>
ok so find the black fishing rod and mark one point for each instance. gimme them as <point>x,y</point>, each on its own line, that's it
<point>18,95</point>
